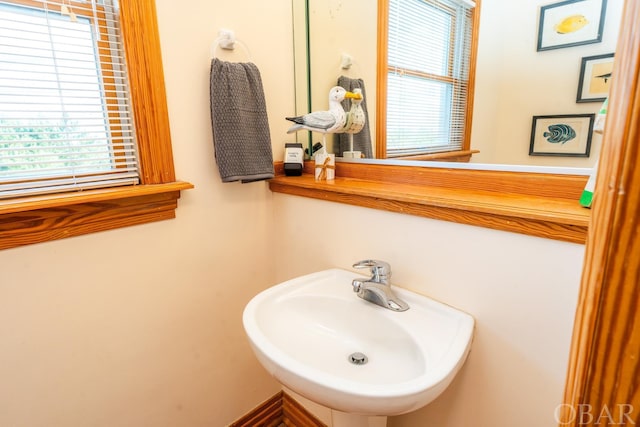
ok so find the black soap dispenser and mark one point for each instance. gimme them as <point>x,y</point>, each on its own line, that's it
<point>293,159</point>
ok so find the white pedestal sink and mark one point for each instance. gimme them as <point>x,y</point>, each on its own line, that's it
<point>312,332</point>
<point>342,419</point>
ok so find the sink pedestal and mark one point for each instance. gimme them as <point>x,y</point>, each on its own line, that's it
<point>342,419</point>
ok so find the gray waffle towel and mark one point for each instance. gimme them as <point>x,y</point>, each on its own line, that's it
<point>241,135</point>
<point>362,139</point>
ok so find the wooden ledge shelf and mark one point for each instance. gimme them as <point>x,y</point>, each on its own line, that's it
<point>548,216</point>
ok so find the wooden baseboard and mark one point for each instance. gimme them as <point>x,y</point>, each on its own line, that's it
<point>280,410</point>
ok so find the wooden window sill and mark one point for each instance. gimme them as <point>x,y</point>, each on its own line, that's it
<point>459,196</point>
<point>453,156</point>
<point>43,218</point>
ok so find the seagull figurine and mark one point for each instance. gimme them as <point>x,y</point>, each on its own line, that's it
<point>355,116</point>
<point>331,121</point>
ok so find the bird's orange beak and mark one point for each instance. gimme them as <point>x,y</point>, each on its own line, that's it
<point>352,95</point>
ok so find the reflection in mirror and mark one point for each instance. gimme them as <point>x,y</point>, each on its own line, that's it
<point>426,59</point>
<point>514,82</point>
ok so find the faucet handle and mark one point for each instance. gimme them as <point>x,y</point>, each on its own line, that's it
<point>379,269</point>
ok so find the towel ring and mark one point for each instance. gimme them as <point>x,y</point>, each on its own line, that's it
<point>348,67</point>
<point>226,40</point>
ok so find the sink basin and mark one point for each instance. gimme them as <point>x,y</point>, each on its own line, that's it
<point>306,331</point>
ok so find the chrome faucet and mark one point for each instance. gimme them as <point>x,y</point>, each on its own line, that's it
<point>378,288</point>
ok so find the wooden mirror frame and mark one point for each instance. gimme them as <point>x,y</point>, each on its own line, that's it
<point>604,368</point>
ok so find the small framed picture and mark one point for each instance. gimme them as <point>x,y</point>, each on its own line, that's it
<point>571,23</point>
<point>595,78</point>
<point>567,135</point>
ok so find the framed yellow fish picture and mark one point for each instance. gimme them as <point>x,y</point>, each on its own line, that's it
<point>595,78</point>
<point>567,135</point>
<point>571,23</point>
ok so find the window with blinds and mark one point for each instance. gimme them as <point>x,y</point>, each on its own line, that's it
<point>65,117</point>
<point>429,50</point>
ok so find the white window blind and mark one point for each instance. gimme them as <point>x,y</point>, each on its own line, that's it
<point>429,49</point>
<point>65,117</point>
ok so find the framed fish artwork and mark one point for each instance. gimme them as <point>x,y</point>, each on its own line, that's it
<point>571,23</point>
<point>595,78</point>
<point>567,135</point>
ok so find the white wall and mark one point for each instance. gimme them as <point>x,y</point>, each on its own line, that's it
<point>336,28</point>
<point>142,326</point>
<point>521,290</point>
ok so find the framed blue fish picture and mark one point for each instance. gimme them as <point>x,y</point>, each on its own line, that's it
<point>567,135</point>
<point>571,23</point>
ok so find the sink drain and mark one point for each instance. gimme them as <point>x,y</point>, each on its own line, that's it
<point>358,358</point>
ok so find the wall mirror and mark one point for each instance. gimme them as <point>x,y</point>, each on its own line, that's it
<point>513,81</point>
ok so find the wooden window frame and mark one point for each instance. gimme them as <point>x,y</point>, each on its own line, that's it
<point>39,219</point>
<point>464,154</point>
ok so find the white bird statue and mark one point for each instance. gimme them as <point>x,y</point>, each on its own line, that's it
<point>331,121</point>
<point>355,116</point>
